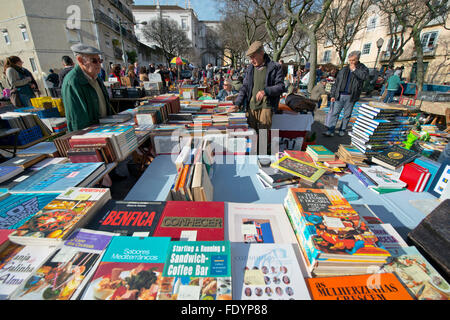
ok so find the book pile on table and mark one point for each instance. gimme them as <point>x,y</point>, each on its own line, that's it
<point>152,113</point>
<point>377,127</point>
<point>106,143</point>
<point>351,155</point>
<point>333,238</point>
<point>379,179</point>
<point>320,153</point>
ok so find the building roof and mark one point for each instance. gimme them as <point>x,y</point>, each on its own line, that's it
<point>163,7</point>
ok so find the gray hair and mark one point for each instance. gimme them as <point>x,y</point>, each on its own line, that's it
<point>356,54</point>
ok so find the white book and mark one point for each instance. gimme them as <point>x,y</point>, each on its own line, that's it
<point>18,270</point>
<point>384,178</point>
<point>266,272</point>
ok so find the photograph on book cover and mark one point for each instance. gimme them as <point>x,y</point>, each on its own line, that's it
<point>298,167</point>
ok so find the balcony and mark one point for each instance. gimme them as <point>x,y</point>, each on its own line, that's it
<point>112,24</point>
<point>123,9</point>
<point>117,53</point>
<point>429,51</point>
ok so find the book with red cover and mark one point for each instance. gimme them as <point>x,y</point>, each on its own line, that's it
<point>300,155</point>
<point>414,176</point>
<point>204,220</point>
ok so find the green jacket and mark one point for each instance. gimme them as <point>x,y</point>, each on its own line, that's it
<point>393,82</point>
<point>81,101</point>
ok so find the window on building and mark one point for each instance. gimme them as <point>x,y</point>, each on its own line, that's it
<point>6,37</point>
<point>366,48</point>
<point>24,34</point>
<point>184,24</point>
<point>33,65</point>
<point>429,40</point>
<point>327,56</point>
<point>372,23</point>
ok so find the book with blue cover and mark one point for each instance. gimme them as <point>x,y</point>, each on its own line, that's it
<point>432,166</point>
<point>7,172</point>
<point>130,269</point>
<point>16,209</point>
<point>59,177</point>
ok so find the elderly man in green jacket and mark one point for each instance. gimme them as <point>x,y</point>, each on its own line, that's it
<point>83,93</point>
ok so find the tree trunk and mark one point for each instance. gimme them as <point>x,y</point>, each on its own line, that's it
<point>420,74</point>
<point>312,60</point>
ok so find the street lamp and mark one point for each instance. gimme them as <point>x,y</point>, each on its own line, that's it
<point>379,45</point>
<point>124,55</point>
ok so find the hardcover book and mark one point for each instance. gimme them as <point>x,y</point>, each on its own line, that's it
<point>415,177</point>
<point>417,274</point>
<point>20,267</point>
<point>130,269</point>
<point>320,152</point>
<point>378,286</point>
<point>59,177</point>
<point>267,271</point>
<point>16,209</point>
<point>394,157</point>
<point>204,221</point>
<point>298,168</point>
<point>197,270</point>
<point>65,273</point>
<point>70,210</point>
<point>128,218</point>
<point>383,177</point>
<point>24,161</point>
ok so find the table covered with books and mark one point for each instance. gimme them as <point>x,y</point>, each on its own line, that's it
<point>210,219</point>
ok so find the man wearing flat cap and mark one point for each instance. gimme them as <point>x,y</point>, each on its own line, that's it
<point>262,87</point>
<point>83,93</point>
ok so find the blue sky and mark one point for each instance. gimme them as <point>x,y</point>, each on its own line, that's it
<point>205,9</point>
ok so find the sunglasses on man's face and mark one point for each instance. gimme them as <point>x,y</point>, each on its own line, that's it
<point>95,60</point>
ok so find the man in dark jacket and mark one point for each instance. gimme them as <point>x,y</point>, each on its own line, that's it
<point>68,66</point>
<point>262,87</point>
<point>346,91</point>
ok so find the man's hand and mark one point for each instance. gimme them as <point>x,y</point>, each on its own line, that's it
<point>352,67</point>
<point>233,109</point>
<point>260,95</point>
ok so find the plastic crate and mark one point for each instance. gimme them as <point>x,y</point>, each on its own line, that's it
<point>48,113</point>
<point>58,103</point>
<point>25,137</point>
<point>41,102</point>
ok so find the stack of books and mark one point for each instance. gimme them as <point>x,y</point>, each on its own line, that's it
<point>320,153</point>
<point>116,118</point>
<point>272,178</point>
<point>55,124</point>
<point>377,127</point>
<point>332,236</point>
<point>116,142</point>
<point>379,179</point>
<point>351,155</point>
<point>8,172</point>
<point>415,176</point>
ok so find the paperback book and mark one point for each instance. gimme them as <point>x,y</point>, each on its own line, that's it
<point>197,270</point>
<point>58,219</point>
<point>128,218</point>
<point>65,273</point>
<point>16,209</point>
<point>130,269</point>
<point>378,286</point>
<point>198,221</point>
<point>266,271</point>
<point>20,267</point>
<point>298,168</point>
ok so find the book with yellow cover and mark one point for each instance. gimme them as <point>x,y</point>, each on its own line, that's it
<point>298,168</point>
<point>378,286</point>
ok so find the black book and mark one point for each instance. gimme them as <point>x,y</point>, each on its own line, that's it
<point>273,175</point>
<point>128,218</point>
<point>432,236</point>
<point>394,157</point>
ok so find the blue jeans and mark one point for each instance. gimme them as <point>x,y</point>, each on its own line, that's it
<point>343,103</point>
<point>389,96</point>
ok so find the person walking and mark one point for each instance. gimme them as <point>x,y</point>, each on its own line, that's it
<point>392,86</point>
<point>53,80</point>
<point>346,91</point>
<point>262,87</point>
<point>67,67</point>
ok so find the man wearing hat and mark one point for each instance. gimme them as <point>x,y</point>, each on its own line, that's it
<point>262,87</point>
<point>84,95</point>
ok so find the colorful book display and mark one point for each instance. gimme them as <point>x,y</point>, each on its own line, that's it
<point>298,168</point>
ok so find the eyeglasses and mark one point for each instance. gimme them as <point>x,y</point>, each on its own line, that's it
<point>95,60</point>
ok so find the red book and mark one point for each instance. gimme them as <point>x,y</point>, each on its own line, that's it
<point>85,142</point>
<point>413,175</point>
<point>205,219</point>
<point>300,155</point>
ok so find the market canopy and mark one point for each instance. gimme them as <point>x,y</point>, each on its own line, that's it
<point>178,61</point>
